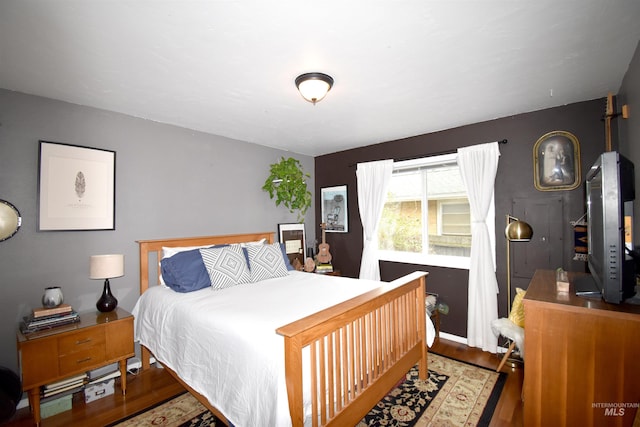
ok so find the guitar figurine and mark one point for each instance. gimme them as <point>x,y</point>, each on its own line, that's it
<point>324,257</point>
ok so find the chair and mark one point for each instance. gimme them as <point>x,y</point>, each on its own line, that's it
<point>511,328</point>
<point>513,332</point>
<point>433,308</point>
<point>10,393</point>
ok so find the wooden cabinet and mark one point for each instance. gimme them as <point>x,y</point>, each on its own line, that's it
<point>99,339</point>
<point>581,358</point>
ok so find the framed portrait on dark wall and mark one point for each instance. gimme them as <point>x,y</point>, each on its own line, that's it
<point>333,204</point>
<point>556,162</point>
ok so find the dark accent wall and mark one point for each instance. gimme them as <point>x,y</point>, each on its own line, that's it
<point>629,94</point>
<point>514,181</point>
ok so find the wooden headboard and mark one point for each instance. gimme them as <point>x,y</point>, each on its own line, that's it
<point>153,248</point>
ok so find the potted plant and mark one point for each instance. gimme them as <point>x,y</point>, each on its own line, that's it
<point>288,185</point>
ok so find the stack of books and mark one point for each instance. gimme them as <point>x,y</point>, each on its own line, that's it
<point>324,268</point>
<point>64,387</point>
<point>98,377</point>
<point>47,318</point>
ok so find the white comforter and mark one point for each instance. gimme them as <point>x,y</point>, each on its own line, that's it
<point>224,345</point>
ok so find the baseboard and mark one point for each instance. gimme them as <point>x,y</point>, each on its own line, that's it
<point>24,402</point>
<point>133,364</point>
<point>463,340</point>
<point>455,338</point>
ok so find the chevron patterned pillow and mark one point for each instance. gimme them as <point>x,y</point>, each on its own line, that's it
<point>227,266</point>
<point>266,262</point>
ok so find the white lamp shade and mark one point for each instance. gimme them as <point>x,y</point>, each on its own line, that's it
<point>313,90</point>
<point>106,266</point>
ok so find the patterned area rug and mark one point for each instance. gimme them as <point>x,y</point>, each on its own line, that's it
<point>181,411</point>
<point>455,394</point>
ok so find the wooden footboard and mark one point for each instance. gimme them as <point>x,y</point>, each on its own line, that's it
<point>357,351</point>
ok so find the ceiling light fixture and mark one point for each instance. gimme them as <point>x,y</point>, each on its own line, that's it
<point>314,86</point>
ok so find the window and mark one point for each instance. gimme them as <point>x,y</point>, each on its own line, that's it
<point>427,218</point>
<point>455,217</point>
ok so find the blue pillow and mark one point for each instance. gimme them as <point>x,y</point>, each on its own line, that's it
<point>185,271</point>
<point>287,263</point>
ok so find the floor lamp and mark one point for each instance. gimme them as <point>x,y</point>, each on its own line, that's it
<point>516,231</point>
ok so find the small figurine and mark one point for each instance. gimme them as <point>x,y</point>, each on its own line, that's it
<point>309,265</point>
<point>296,264</point>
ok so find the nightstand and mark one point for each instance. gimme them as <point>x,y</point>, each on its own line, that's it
<point>332,273</point>
<point>99,339</point>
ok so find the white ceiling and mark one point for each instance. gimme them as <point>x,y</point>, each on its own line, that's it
<point>401,68</point>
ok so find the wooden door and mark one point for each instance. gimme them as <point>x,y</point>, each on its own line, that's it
<point>545,250</point>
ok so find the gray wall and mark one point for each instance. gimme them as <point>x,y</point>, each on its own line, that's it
<point>170,182</point>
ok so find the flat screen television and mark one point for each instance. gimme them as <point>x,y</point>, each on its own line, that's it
<point>610,191</point>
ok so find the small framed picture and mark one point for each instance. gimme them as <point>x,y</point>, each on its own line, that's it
<point>292,235</point>
<point>76,188</point>
<point>334,209</point>
<point>556,162</point>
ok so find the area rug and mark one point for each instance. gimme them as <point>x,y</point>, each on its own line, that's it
<point>455,394</point>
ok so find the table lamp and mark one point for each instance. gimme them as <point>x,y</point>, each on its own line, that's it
<point>106,267</point>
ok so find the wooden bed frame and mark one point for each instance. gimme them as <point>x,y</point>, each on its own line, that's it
<point>359,349</point>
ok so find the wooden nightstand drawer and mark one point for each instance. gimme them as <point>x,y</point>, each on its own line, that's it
<point>83,359</point>
<point>81,342</point>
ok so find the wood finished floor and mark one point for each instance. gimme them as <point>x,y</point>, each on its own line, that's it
<point>156,385</point>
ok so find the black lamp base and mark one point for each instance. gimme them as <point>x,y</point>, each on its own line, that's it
<point>107,301</point>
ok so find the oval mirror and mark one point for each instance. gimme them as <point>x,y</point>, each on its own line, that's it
<point>10,220</point>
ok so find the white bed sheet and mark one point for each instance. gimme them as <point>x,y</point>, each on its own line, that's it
<point>224,345</point>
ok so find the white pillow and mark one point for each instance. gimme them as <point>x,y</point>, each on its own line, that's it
<point>256,243</point>
<point>168,252</point>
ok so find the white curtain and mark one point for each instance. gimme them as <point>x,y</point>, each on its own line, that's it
<point>478,167</point>
<point>373,182</point>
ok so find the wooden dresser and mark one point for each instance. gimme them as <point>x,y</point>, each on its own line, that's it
<point>582,358</point>
<point>99,339</point>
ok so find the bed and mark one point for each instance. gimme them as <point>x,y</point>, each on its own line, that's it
<point>297,349</point>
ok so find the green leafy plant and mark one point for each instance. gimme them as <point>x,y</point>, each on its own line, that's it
<point>287,183</point>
